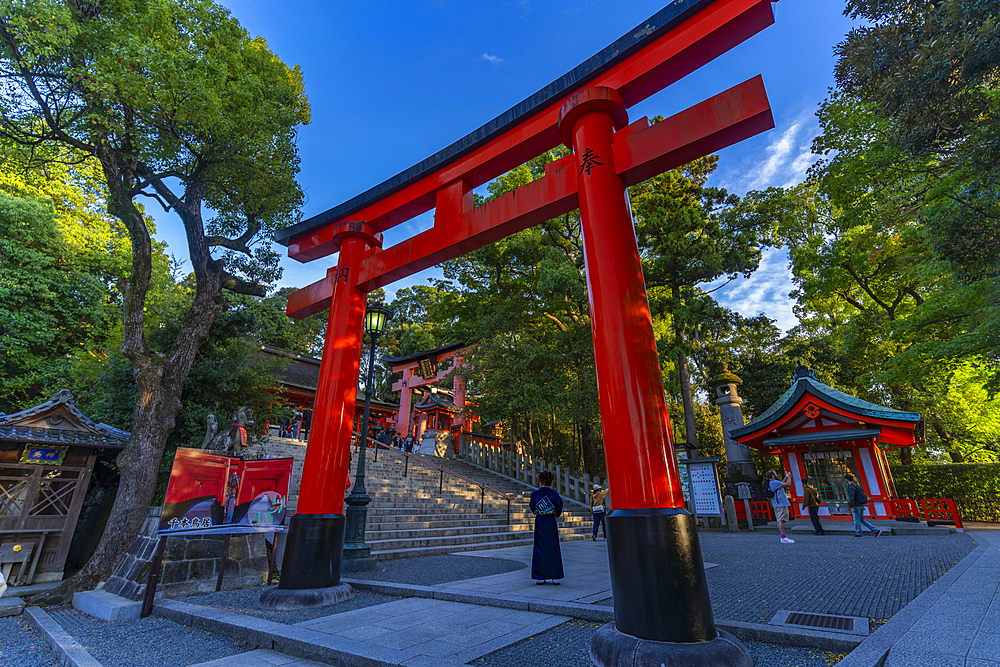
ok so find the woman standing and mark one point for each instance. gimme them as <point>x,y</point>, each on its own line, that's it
<point>546,505</point>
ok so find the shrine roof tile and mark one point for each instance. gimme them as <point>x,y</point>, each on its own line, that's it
<point>437,400</point>
<point>426,354</point>
<point>805,381</point>
<point>18,426</point>
<point>50,436</point>
<point>836,435</point>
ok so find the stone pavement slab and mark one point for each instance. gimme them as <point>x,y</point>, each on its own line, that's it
<point>261,658</point>
<point>11,607</point>
<point>106,606</point>
<point>438,629</point>
<point>585,562</point>
<point>68,651</point>
<point>954,622</point>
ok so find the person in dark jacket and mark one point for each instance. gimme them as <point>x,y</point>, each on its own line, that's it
<point>546,505</point>
<point>857,500</point>
<point>811,501</point>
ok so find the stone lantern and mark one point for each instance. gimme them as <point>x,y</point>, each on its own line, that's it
<point>738,460</point>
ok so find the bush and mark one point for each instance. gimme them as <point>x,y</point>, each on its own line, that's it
<point>975,481</point>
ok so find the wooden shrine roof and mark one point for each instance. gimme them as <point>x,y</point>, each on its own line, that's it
<point>437,400</point>
<point>811,412</point>
<point>58,422</point>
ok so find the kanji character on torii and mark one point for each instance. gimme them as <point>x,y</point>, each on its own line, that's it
<point>662,610</point>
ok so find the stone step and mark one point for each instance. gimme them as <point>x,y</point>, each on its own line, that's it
<point>403,524</point>
<point>405,514</point>
<point>390,554</point>
<point>451,540</point>
<point>458,531</point>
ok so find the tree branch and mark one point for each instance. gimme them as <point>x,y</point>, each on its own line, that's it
<point>240,286</point>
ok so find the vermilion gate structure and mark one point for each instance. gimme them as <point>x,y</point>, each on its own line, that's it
<point>661,596</point>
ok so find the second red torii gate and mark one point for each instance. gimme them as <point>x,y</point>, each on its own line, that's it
<point>649,529</point>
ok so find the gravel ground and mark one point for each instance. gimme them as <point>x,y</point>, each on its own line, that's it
<point>871,578</point>
<point>244,601</point>
<point>145,642</point>
<point>21,646</point>
<point>568,645</point>
<point>434,570</point>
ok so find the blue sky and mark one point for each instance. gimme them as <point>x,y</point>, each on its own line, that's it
<point>391,83</point>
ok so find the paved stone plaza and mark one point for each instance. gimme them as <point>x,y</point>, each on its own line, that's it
<point>751,576</point>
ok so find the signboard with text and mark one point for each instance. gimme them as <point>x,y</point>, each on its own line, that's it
<point>214,493</point>
<point>700,477</point>
<point>706,490</point>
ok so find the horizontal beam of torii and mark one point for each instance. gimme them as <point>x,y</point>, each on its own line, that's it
<point>690,35</point>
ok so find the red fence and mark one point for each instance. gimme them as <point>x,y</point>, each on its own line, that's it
<point>941,510</point>
<point>761,509</point>
<point>904,507</point>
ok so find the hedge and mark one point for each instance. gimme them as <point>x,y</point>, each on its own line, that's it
<point>975,481</point>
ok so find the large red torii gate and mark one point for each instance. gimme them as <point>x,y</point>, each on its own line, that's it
<point>657,573</point>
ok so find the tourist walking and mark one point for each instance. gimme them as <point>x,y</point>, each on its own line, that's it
<point>811,501</point>
<point>779,499</point>
<point>857,500</point>
<point>597,507</point>
<point>546,505</point>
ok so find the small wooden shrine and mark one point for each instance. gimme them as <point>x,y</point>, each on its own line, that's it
<point>822,433</point>
<point>436,411</point>
<point>47,455</point>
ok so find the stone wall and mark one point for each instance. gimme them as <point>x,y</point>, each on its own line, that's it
<point>190,564</point>
<point>284,448</point>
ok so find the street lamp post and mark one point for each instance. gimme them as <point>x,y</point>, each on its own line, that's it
<point>357,553</point>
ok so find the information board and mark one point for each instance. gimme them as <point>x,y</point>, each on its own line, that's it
<point>706,491</point>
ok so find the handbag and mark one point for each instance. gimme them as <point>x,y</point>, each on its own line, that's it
<point>598,509</point>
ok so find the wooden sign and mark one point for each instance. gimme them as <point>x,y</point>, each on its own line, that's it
<point>46,456</point>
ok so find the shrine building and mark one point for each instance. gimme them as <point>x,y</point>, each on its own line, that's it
<point>298,377</point>
<point>47,456</point>
<point>822,433</point>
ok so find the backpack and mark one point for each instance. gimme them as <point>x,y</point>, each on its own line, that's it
<point>768,491</point>
<point>859,497</point>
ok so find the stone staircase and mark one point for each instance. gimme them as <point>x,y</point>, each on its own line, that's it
<point>421,514</point>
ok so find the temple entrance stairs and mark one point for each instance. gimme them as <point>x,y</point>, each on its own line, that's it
<point>417,510</point>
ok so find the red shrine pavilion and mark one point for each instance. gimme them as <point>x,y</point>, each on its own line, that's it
<point>823,433</point>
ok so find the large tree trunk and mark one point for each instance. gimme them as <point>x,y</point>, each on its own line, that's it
<point>690,427</point>
<point>906,456</point>
<point>159,378</point>
<point>948,441</point>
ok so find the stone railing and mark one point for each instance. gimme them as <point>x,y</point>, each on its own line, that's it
<point>571,485</point>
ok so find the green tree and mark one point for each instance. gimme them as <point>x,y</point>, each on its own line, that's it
<point>690,234</point>
<point>50,305</point>
<point>178,105</point>
<point>928,68</point>
<point>923,75</point>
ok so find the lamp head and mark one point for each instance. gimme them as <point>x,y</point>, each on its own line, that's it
<point>377,318</point>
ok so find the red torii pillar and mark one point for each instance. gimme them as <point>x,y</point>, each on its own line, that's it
<point>663,614</point>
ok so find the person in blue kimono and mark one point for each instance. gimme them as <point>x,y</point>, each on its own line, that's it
<point>546,505</point>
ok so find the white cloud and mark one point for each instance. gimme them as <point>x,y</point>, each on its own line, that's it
<point>525,5</point>
<point>766,291</point>
<point>493,60</point>
<point>786,158</point>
